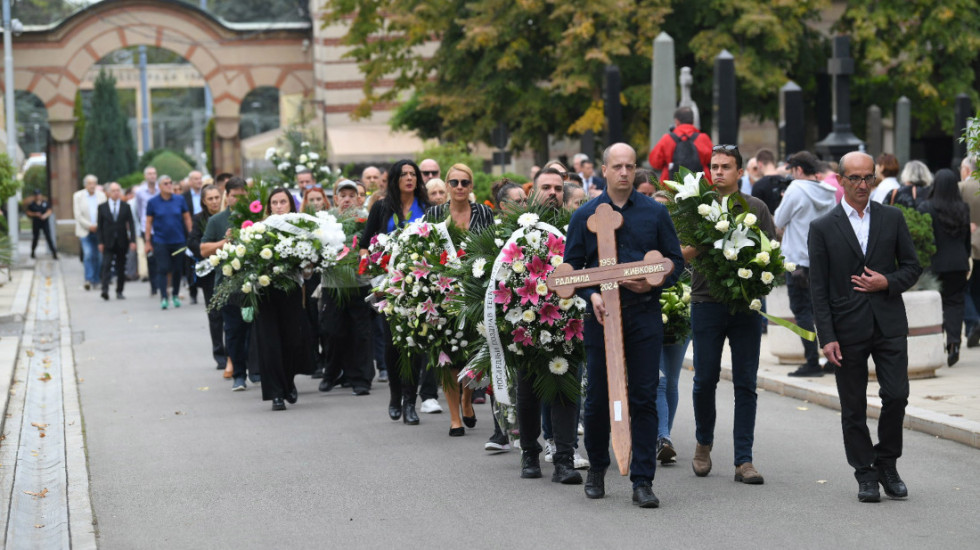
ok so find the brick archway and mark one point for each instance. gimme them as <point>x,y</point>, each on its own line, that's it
<point>233,58</point>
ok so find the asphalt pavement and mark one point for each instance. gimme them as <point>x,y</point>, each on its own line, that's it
<point>177,460</point>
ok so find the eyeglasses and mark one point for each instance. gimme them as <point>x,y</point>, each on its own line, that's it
<point>725,148</point>
<point>856,180</point>
<point>432,173</point>
<point>457,183</point>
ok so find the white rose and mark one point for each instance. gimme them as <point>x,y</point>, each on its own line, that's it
<point>527,316</point>
<point>498,242</point>
<point>264,280</point>
<point>247,287</point>
<point>226,270</point>
<point>750,219</point>
<point>541,288</point>
<point>775,244</point>
<point>414,256</point>
<point>731,254</point>
<point>303,158</point>
<point>240,250</point>
<point>722,226</point>
<point>704,210</point>
<point>214,260</point>
<point>756,305</point>
<point>745,273</point>
<point>259,227</point>
<point>664,317</point>
<point>236,265</point>
<point>565,303</point>
<point>266,254</point>
<point>557,260</point>
<point>246,238</point>
<point>766,277</point>
<point>762,258</point>
<point>518,267</point>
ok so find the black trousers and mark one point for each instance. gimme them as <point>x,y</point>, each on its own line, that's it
<point>891,360</point>
<point>214,321</point>
<point>37,228</point>
<point>350,345</point>
<point>564,419</point>
<point>282,336</point>
<point>953,292</point>
<point>115,257</point>
<point>429,388</point>
<point>403,386</point>
<point>237,335</point>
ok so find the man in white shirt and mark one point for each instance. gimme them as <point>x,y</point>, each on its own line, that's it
<point>144,192</point>
<point>85,206</point>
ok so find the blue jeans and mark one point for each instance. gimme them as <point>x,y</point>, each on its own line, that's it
<point>642,340</point>
<point>802,307</point>
<point>92,260</point>
<point>711,323</point>
<point>671,361</point>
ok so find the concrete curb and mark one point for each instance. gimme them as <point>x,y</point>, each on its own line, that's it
<point>918,419</point>
<point>18,308</point>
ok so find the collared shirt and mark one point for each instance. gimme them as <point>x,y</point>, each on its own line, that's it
<point>143,196</point>
<point>860,224</point>
<point>93,207</point>
<point>114,208</point>
<point>646,226</point>
<point>196,201</point>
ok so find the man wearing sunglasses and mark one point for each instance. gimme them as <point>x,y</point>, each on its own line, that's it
<point>712,322</point>
<point>861,260</point>
<point>430,170</point>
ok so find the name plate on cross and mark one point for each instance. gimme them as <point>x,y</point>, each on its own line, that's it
<point>565,280</point>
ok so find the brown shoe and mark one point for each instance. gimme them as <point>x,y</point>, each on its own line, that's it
<point>746,473</point>
<point>702,460</point>
<point>229,371</point>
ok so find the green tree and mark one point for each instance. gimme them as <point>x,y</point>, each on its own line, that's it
<point>8,178</point>
<point>921,49</point>
<point>109,149</point>
<point>537,65</point>
<point>42,12</point>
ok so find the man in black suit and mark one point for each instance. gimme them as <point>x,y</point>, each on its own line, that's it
<point>861,260</point>
<point>117,236</point>
<point>195,181</point>
<point>589,178</point>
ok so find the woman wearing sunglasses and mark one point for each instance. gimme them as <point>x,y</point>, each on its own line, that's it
<point>468,215</point>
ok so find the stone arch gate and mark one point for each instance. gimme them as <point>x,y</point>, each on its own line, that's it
<point>233,58</point>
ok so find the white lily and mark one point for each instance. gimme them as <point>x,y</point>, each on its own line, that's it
<point>691,187</point>
<point>736,240</point>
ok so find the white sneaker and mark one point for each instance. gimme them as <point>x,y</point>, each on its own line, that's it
<point>430,406</point>
<point>581,429</point>
<point>549,450</point>
<point>580,462</point>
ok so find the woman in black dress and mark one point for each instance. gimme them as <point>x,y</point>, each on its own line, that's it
<point>211,205</point>
<point>282,332</point>
<point>405,201</point>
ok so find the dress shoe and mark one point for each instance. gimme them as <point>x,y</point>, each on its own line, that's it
<point>457,432</point>
<point>565,471</point>
<point>255,378</point>
<point>394,410</point>
<point>746,473</point>
<point>292,396</point>
<point>470,421</point>
<point>326,385</point>
<point>105,295</point>
<point>954,354</point>
<point>318,373</point>
<point>530,465</point>
<point>409,416</point>
<point>644,498</point>
<point>595,484</point>
<point>973,339</point>
<point>360,391</point>
<point>807,371</point>
<point>891,482</point>
<point>702,460</point>
<point>277,404</point>
<point>665,451</point>
<point>868,491</point>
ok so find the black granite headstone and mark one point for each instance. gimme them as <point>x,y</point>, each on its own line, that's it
<point>793,127</point>
<point>725,120</point>
<point>614,110</point>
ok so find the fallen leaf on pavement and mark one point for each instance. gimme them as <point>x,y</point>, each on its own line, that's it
<point>802,408</point>
<point>203,388</point>
<point>45,378</point>
<point>178,412</point>
<point>39,425</point>
<point>821,481</point>
<point>42,494</point>
<point>38,526</point>
<point>29,352</point>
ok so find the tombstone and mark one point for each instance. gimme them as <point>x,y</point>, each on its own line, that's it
<point>875,133</point>
<point>841,67</point>
<point>793,126</point>
<point>614,109</point>
<point>687,80</point>
<point>824,104</point>
<point>724,120</point>
<point>903,129</point>
<point>961,111</point>
<point>587,144</point>
<point>663,89</point>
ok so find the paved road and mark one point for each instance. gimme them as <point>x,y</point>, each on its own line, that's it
<point>179,461</point>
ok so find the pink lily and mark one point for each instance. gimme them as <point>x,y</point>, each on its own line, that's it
<point>444,283</point>
<point>424,230</point>
<point>573,329</point>
<point>555,244</point>
<point>444,359</point>
<point>421,269</point>
<point>343,252</point>
<point>522,336</point>
<point>397,276</point>
<point>513,252</point>
<point>502,295</point>
<point>528,292</point>
<point>428,308</point>
<point>537,269</point>
<point>549,313</point>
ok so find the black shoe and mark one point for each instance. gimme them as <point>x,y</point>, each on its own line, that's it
<point>644,498</point>
<point>292,396</point>
<point>88,285</point>
<point>808,371</point>
<point>318,373</point>
<point>277,404</point>
<point>973,339</point>
<point>119,296</point>
<point>255,378</point>
<point>954,354</point>
<point>829,368</point>
<point>55,256</point>
<point>105,295</point>
<point>595,484</point>
<point>530,464</point>
<point>891,482</point>
<point>868,491</point>
<point>665,451</point>
<point>409,416</point>
<point>361,391</point>
<point>565,470</point>
<point>394,411</point>
<point>457,432</point>
<point>193,300</point>
<point>325,385</point>
<point>32,254</point>
<point>469,421</point>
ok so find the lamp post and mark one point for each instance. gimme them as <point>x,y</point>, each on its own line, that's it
<point>9,27</point>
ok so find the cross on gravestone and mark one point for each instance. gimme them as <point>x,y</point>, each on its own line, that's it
<point>687,80</point>
<point>724,120</point>
<point>841,67</point>
<point>565,280</point>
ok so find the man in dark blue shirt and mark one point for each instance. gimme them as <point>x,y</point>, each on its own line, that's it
<point>646,226</point>
<point>168,222</point>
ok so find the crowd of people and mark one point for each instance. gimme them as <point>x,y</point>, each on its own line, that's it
<point>160,232</point>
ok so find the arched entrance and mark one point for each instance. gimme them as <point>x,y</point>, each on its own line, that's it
<point>233,58</point>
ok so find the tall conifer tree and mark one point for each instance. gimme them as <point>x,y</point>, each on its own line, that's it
<point>109,151</point>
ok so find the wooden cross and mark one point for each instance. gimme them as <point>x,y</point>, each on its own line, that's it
<point>565,280</point>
